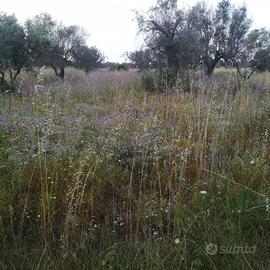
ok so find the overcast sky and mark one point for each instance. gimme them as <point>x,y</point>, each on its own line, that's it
<point>111,23</point>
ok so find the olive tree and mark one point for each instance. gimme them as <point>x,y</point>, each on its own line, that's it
<point>142,59</point>
<point>259,44</point>
<point>161,28</point>
<point>59,46</point>
<point>42,38</point>
<point>87,58</point>
<point>255,55</point>
<point>14,54</point>
<point>170,39</point>
<point>222,32</point>
<point>67,40</point>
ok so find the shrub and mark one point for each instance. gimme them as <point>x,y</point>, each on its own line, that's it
<point>148,81</point>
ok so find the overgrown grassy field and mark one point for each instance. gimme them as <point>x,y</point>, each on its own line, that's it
<point>96,173</point>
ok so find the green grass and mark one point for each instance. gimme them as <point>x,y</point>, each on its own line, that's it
<point>111,177</point>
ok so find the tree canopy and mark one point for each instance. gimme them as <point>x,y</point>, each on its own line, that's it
<point>13,53</point>
<point>41,41</point>
<point>177,40</point>
<point>59,46</point>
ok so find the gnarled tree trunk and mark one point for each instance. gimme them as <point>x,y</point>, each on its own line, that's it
<point>60,73</point>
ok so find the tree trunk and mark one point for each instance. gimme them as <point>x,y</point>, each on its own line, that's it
<point>62,73</point>
<point>211,64</point>
<point>172,61</point>
<point>2,80</point>
<point>2,73</point>
<point>209,70</point>
<point>10,83</point>
<point>13,79</point>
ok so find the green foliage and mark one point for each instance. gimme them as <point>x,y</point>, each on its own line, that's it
<point>180,40</point>
<point>118,67</point>
<point>164,28</point>
<point>142,59</point>
<point>221,33</point>
<point>41,33</point>
<point>148,81</point>
<point>122,66</point>
<point>259,44</point>
<point>262,60</point>
<point>13,54</point>
<point>42,42</point>
<point>87,58</point>
<point>255,55</point>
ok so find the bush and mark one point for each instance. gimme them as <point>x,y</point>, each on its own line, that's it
<point>148,81</point>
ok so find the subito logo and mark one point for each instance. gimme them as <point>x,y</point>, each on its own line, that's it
<point>211,249</point>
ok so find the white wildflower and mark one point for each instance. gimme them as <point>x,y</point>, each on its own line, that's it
<point>177,241</point>
<point>252,162</point>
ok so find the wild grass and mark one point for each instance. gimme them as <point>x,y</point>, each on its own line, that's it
<point>97,174</point>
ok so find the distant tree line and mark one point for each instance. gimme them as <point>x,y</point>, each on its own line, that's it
<point>42,41</point>
<point>178,40</point>
<point>112,66</point>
